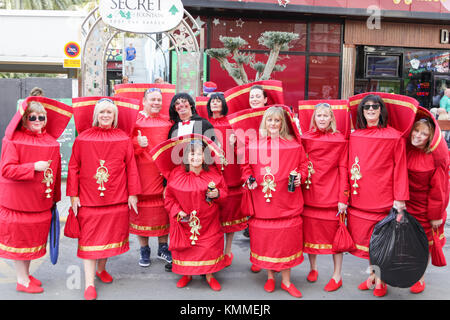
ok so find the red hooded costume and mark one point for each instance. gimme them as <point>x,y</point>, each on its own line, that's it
<point>327,181</point>
<point>428,180</point>
<point>276,241</point>
<point>377,167</point>
<point>103,173</point>
<point>27,196</point>
<point>186,191</point>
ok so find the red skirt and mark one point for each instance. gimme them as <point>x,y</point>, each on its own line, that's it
<point>425,223</point>
<point>276,244</point>
<point>319,229</point>
<point>152,219</point>
<point>103,231</point>
<point>360,225</point>
<point>231,216</point>
<point>23,235</point>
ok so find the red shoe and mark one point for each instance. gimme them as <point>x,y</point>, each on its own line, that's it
<point>332,285</point>
<point>32,288</point>
<point>270,285</point>
<point>35,281</point>
<point>90,293</point>
<point>312,276</point>
<point>184,281</point>
<point>380,291</point>
<point>104,276</point>
<point>417,287</point>
<point>366,285</point>
<point>255,269</point>
<point>214,284</point>
<point>228,259</point>
<point>293,291</point>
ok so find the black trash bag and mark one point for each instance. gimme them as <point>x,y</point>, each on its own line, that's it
<point>399,248</point>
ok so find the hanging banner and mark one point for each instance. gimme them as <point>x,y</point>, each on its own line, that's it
<point>142,16</point>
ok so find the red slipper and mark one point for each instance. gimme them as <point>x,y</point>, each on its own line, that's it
<point>332,285</point>
<point>366,285</point>
<point>228,259</point>
<point>312,276</point>
<point>255,269</point>
<point>184,281</point>
<point>417,287</point>
<point>35,281</point>
<point>270,285</point>
<point>104,276</point>
<point>32,288</point>
<point>380,291</point>
<point>90,293</point>
<point>214,284</point>
<point>293,291</point>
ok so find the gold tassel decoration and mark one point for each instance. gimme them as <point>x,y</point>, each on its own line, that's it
<point>48,180</point>
<point>102,176</point>
<point>311,171</point>
<point>194,223</point>
<point>356,174</point>
<point>268,184</point>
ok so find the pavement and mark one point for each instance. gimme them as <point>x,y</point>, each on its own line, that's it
<point>65,280</point>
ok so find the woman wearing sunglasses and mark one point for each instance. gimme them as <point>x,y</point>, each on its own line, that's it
<point>378,177</point>
<point>30,184</point>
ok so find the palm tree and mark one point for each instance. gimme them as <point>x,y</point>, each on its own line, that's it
<point>43,4</point>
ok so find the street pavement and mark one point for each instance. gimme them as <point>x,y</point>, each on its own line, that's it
<point>65,280</point>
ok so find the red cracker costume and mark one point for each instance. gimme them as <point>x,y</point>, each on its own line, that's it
<point>152,220</point>
<point>327,181</point>
<point>377,168</point>
<point>276,241</point>
<point>27,196</point>
<point>428,180</point>
<point>103,173</point>
<point>186,192</point>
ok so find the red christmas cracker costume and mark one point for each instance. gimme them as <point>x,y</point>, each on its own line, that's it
<point>25,208</point>
<point>186,192</point>
<point>104,214</point>
<point>152,220</point>
<point>276,239</point>
<point>327,181</point>
<point>377,168</point>
<point>428,180</point>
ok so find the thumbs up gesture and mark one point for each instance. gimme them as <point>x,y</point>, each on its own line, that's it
<point>142,140</point>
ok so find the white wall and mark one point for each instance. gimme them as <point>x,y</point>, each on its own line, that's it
<point>38,36</point>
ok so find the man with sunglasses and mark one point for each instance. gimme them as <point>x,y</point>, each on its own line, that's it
<point>152,220</point>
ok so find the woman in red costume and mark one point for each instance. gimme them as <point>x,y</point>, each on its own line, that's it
<point>103,184</point>
<point>194,190</point>
<point>326,189</point>
<point>232,217</point>
<point>428,161</point>
<point>378,176</point>
<point>30,184</point>
<point>275,228</point>
<point>152,220</point>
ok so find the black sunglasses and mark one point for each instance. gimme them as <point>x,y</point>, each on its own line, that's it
<point>34,118</point>
<point>375,106</point>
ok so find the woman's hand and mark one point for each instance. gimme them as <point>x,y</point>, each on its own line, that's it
<point>41,165</point>
<point>213,194</point>
<point>132,203</point>
<point>342,207</point>
<point>75,202</point>
<point>142,140</point>
<point>436,223</point>
<point>233,139</point>
<point>298,180</point>
<point>181,215</point>
<point>400,205</point>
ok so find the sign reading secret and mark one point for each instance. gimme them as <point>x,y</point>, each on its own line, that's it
<point>142,16</point>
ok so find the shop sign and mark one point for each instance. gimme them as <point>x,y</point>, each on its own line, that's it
<point>444,36</point>
<point>142,16</point>
<point>72,63</point>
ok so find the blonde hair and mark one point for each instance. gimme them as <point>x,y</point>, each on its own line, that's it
<point>100,106</point>
<point>36,107</point>
<point>427,124</point>
<point>332,125</point>
<point>275,112</point>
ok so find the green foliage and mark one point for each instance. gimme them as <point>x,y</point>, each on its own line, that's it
<point>274,39</point>
<point>43,4</point>
<point>217,53</point>
<point>233,43</point>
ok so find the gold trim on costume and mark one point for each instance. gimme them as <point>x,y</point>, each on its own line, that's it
<point>22,250</point>
<point>147,228</point>
<point>117,103</point>
<point>163,90</point>
<point>246,116</point>
<point>333,107</point>
<point>198,263</point>
<point>362,248</point>
<point>356,174</point>
<point>393,101</point>
<point>245,90</point>
<point>194,223</point>
<point>48,180</point>
<point>277,260</point>
<point>319,246</point>
<point>104,247</point>
<point>268,184</point>
<point>311,171</point>
<point>101,176</point>
<point>234,222</point>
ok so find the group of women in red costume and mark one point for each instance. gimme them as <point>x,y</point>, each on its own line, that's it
<point>289,188</point>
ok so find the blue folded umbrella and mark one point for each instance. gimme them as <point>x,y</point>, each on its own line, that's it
<point>54,235</point>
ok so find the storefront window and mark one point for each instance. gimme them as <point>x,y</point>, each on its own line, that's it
<point>325,37</point>
<point>377,85</point>
<point>323,77</point>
